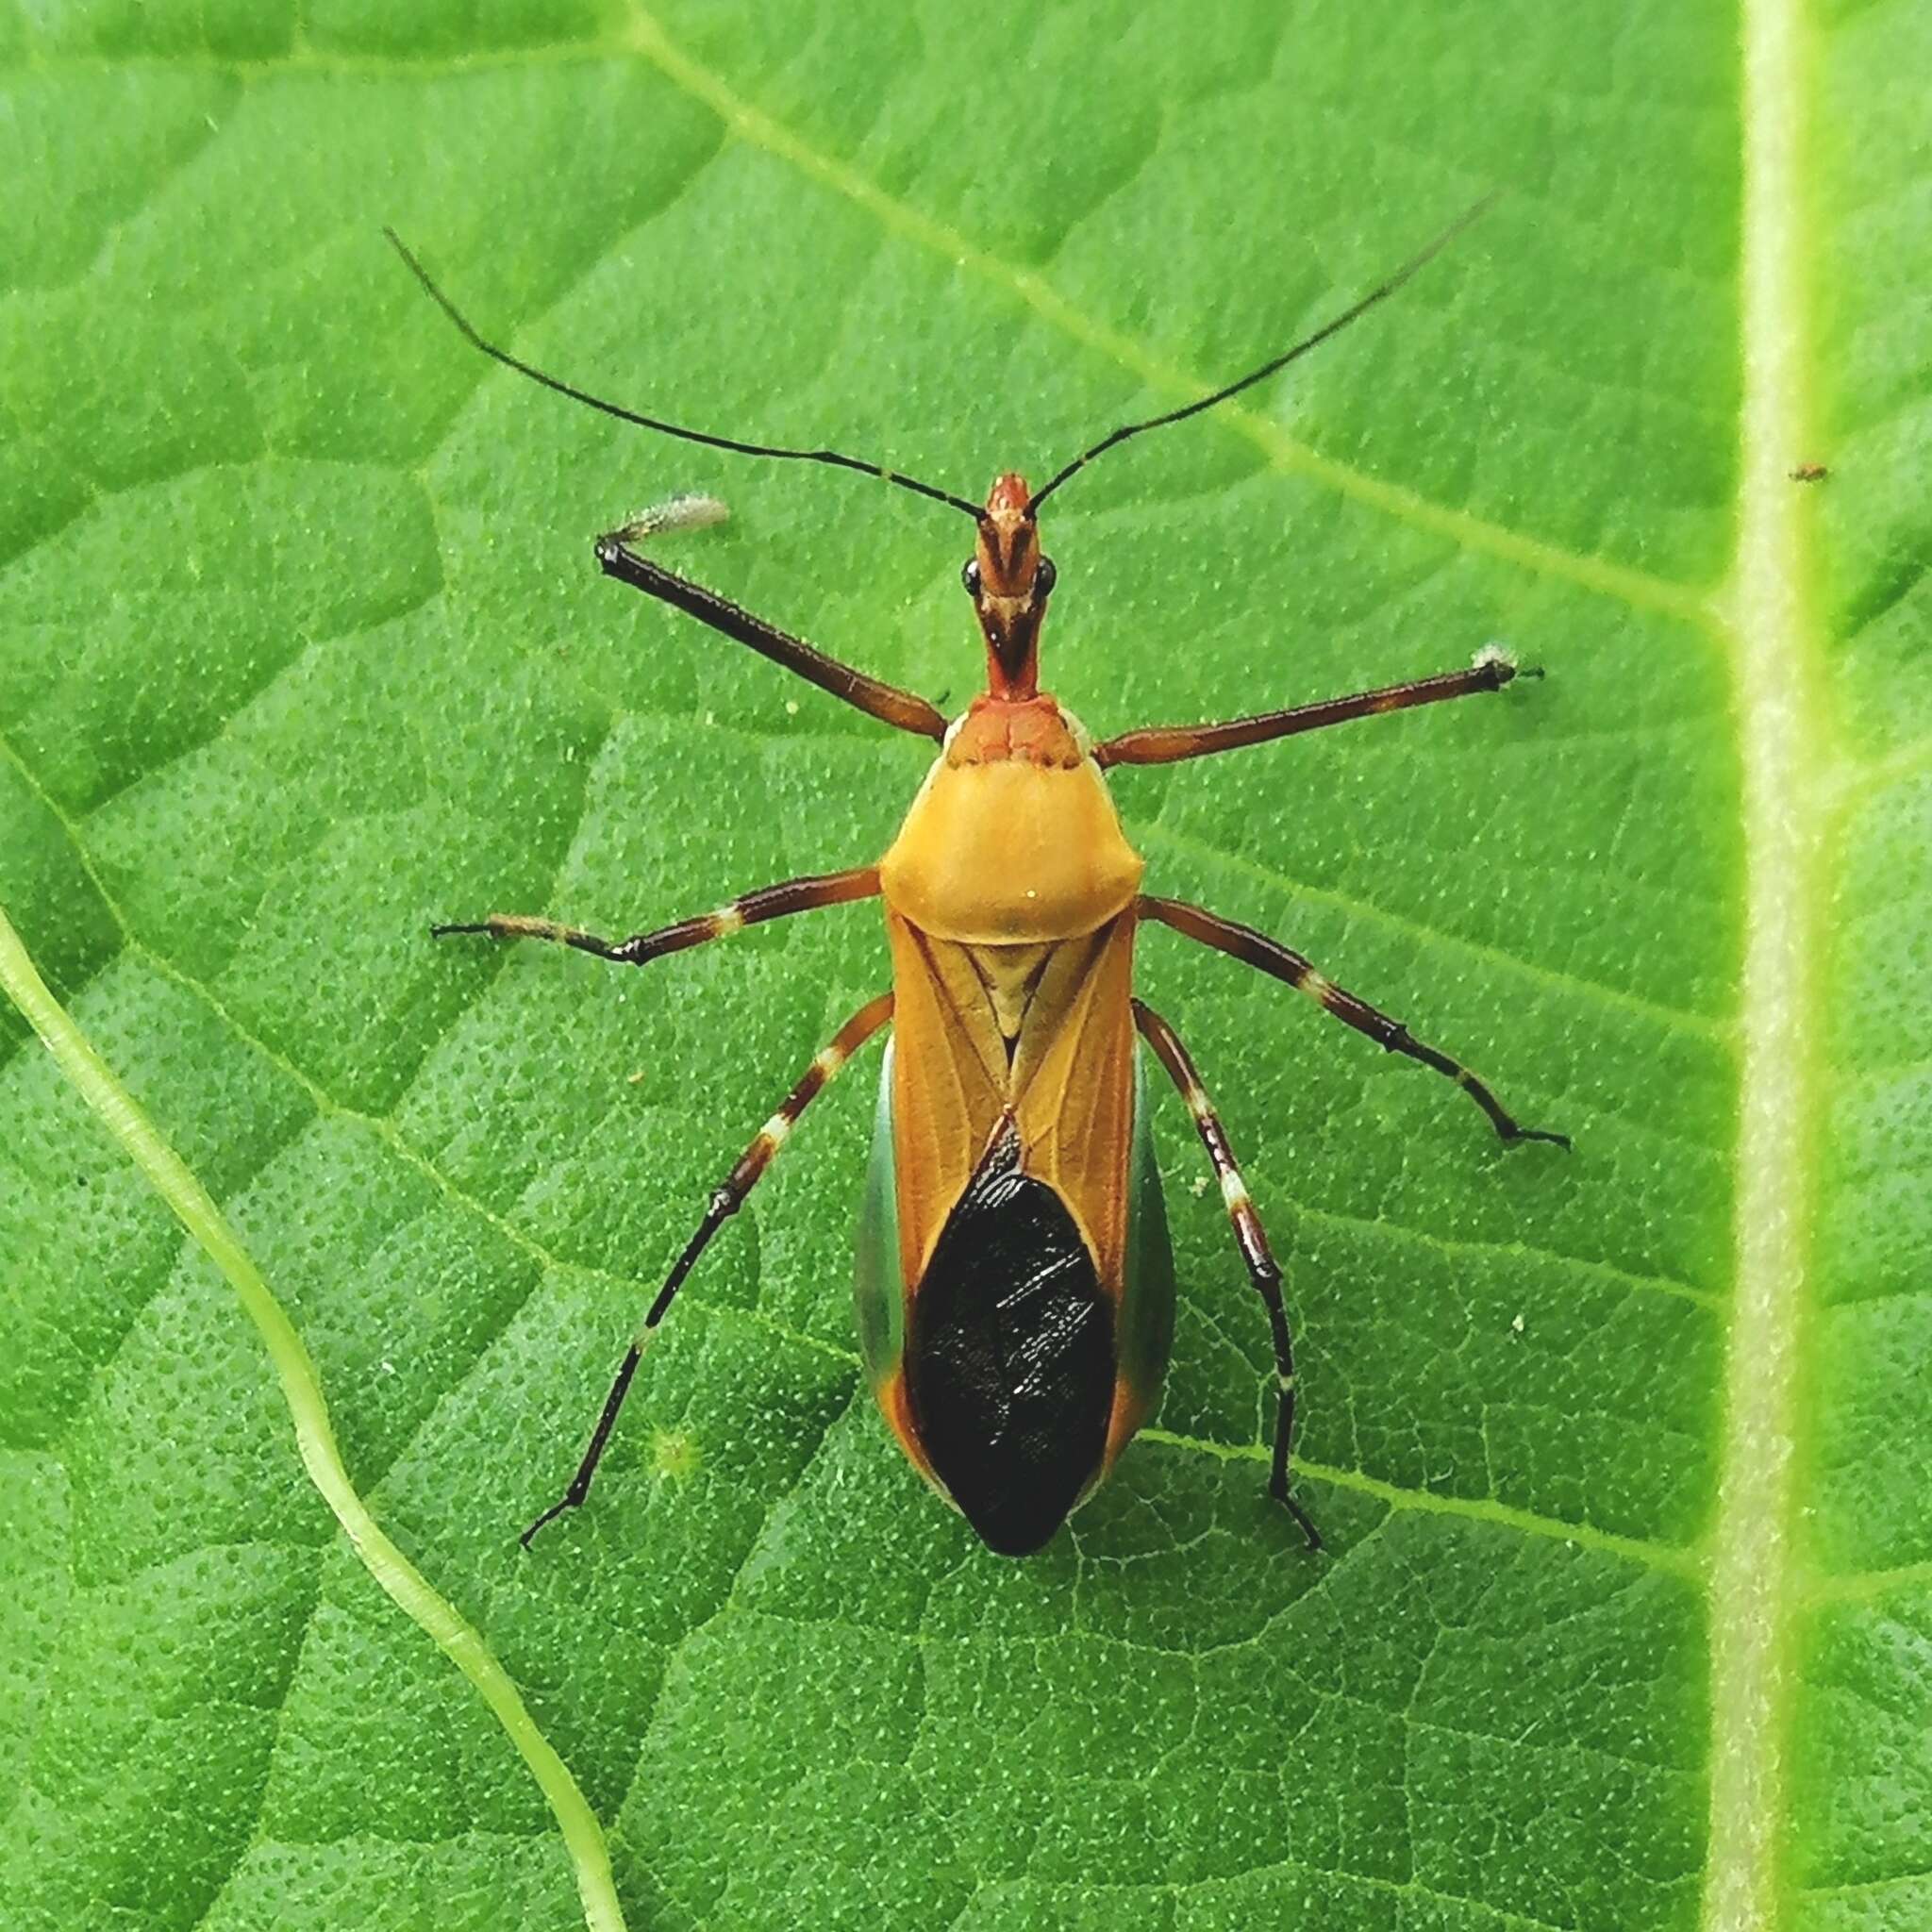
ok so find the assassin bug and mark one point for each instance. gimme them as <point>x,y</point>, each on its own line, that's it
<point>1015,1283</point>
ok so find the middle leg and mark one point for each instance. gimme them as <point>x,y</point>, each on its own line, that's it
<point>768,901</point>
<point>1284,963</point>
<point>1263,1269</point>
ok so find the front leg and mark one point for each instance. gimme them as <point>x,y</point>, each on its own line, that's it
<point>1167,744</point>
<point>619,554</point>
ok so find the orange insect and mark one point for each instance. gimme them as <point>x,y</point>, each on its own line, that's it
<point>1015,1284</point>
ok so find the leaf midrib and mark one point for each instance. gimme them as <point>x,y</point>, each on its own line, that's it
<point>1771,611</point>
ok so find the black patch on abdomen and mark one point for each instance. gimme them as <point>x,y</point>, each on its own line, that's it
<point>1010,1355</point>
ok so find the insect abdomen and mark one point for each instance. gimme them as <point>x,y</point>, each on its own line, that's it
<point>1009,1356</point>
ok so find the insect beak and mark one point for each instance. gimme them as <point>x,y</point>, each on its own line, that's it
<point>1011,597</point>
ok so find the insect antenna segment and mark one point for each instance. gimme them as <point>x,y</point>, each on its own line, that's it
<point>835,458</point>
<point>1381,292</point>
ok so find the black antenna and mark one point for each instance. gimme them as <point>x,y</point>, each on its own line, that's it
<point>1380,293</point>
<point>624,415</point>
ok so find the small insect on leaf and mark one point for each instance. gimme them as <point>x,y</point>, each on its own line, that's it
<point>673,1453</point>
<point>1809,473</point>
<point>1015,1284</point>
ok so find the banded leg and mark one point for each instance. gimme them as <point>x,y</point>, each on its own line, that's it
<point>1167,744</point>
<point>1281,963</point>
<point>619,556</point>
<point>725,1202</point>
<point>768,901</point>
<point>1263,1269</point>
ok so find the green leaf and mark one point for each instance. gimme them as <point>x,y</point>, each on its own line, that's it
<point>1626,1621</point>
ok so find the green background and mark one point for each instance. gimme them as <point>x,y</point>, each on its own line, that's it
<point>301,646</point>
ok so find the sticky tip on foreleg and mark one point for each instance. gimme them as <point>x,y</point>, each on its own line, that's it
<point>694,512</point>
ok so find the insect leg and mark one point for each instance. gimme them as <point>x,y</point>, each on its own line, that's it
<point>1281,963</point>
<point>724,1203</point>
<point>1263,1269</point>
<point>1167,744</point>
<point>620,556</point>
<point>768,901</point>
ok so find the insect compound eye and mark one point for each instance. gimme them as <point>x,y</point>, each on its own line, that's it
<point>969,576</point>
<point>1044,578</point>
